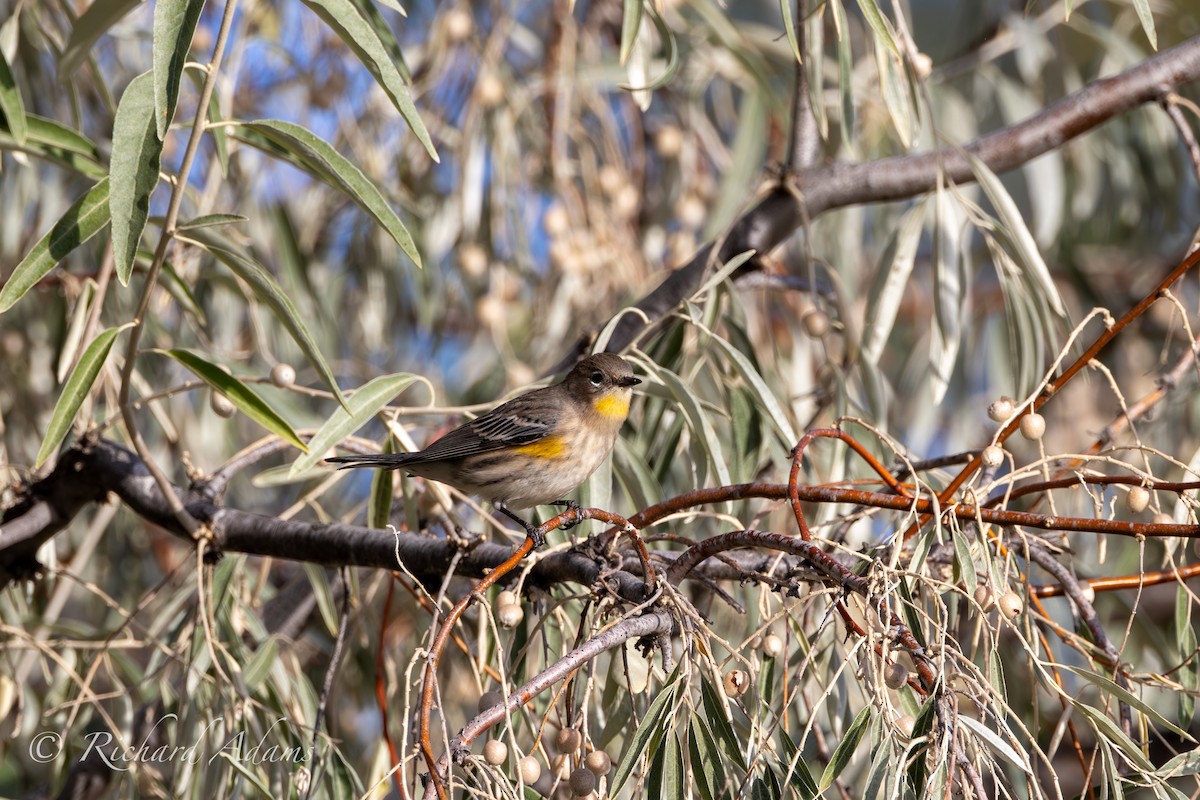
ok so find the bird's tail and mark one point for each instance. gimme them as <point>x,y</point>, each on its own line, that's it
<point>378,460</point>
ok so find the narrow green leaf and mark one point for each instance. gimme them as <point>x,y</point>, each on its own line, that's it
<point>11,104</point>
<point>879,25</point>
<point>673,61</point>
<point>996,674</point>
<point>82,221</point>
<point>845,74</point>
<point>75,390</point>
<point>666,773</point>
<point>268,292</point>
<point>917,770</point>
<point>718,720</point>
<point>1109,731</point>
<point>174,25</point>
<point>787,7</point>
<point>701,426</point>
<point>1180,766</point>
<point>238,393</point>
<point>211,221</point>
<point>1147,19</point>
<point>135,159</point>
<point>909,609</point>
<point>1112,688</point>
<point>996,743</point>
<point>362,39</point>
<point>1015,230</point>
<point>379,507</point>
<point>369,12</point>
<point>763,396</point>
<point>1188,674</point>
<point>56,143</point>
<point>798,776</point>
<point>962,558</point>
<point>816,68</point>
<point>55,134</point>
<point>95,22</point>
<point>654,723</point>
<point>845,749</point>
<point>260,664</point>
<point>891,280</point>
<point>631,21</point>
<point>74,337</point>
<point>705,758</point>
<point>360,407</point>
<point>335,169</point>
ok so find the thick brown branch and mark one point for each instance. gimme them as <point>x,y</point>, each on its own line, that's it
<point>820,189</point>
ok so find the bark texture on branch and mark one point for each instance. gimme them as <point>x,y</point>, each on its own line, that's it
<point>813,191</point>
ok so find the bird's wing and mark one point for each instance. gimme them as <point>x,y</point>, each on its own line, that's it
<point>503,426</point>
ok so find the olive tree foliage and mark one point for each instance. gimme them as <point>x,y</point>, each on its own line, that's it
<point>880,525</point>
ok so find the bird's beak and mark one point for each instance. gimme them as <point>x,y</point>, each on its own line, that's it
<point>629,381</point>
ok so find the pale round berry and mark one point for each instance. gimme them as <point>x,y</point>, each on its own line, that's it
<point>612,179</point>
<point>1001,410</point>
<point>458,24</point>
<point>599,762</point>
<point>510,616</point>
<point>1033,426</point>
<point>922,65</point>
<point>490,311</point>
<point>489,89</point>
<point>560,767</point>
<point>1137,499</point>
<point>556,221</point>
<point>1010,604</point>
<point>772,646</point>
<point>507,598</point>
<point>816,323</point>
<point>569,741</point>
<point>691,211</point>
<point>473,259</point>
<point>495,752</point>
<point>905,724</point>
<point>992,456</point>
<point>984,598</point>
<point>582,782</point>
<point>1087,591</point>
<point>220,405</point>
<point>627,201</point>
<point>282,375</point>
<point>895,676</point>
<point>669,141</point>
<point>530,769</point>
<point>1162,518</point>
<point>736,682</point>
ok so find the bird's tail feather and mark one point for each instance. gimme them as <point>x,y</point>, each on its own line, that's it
<point>378,460</point>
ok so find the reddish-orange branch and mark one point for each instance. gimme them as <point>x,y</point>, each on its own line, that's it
<point>1115,583</point>
<point>1069,373</point>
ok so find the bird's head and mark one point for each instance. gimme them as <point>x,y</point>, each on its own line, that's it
<point>606,381</point>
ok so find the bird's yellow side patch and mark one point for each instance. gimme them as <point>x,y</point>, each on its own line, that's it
<point>550,447</point>
<point>612,405</point>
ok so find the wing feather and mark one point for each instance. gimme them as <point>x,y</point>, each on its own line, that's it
<point>509,425</point>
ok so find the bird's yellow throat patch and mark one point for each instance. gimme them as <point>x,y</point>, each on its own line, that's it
<point>613,405</point>
<point>549,447</point>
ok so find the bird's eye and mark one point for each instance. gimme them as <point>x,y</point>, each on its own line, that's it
<point>597,378</point>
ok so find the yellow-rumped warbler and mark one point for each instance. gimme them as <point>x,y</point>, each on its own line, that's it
<point>532,450</point>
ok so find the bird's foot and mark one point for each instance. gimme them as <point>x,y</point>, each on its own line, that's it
<point>572,505</point>
<point>539,539</point>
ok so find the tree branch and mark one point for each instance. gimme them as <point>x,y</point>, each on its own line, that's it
<point>817,190</point>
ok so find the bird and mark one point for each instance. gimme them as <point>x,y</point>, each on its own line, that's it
<point>532,450</point>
